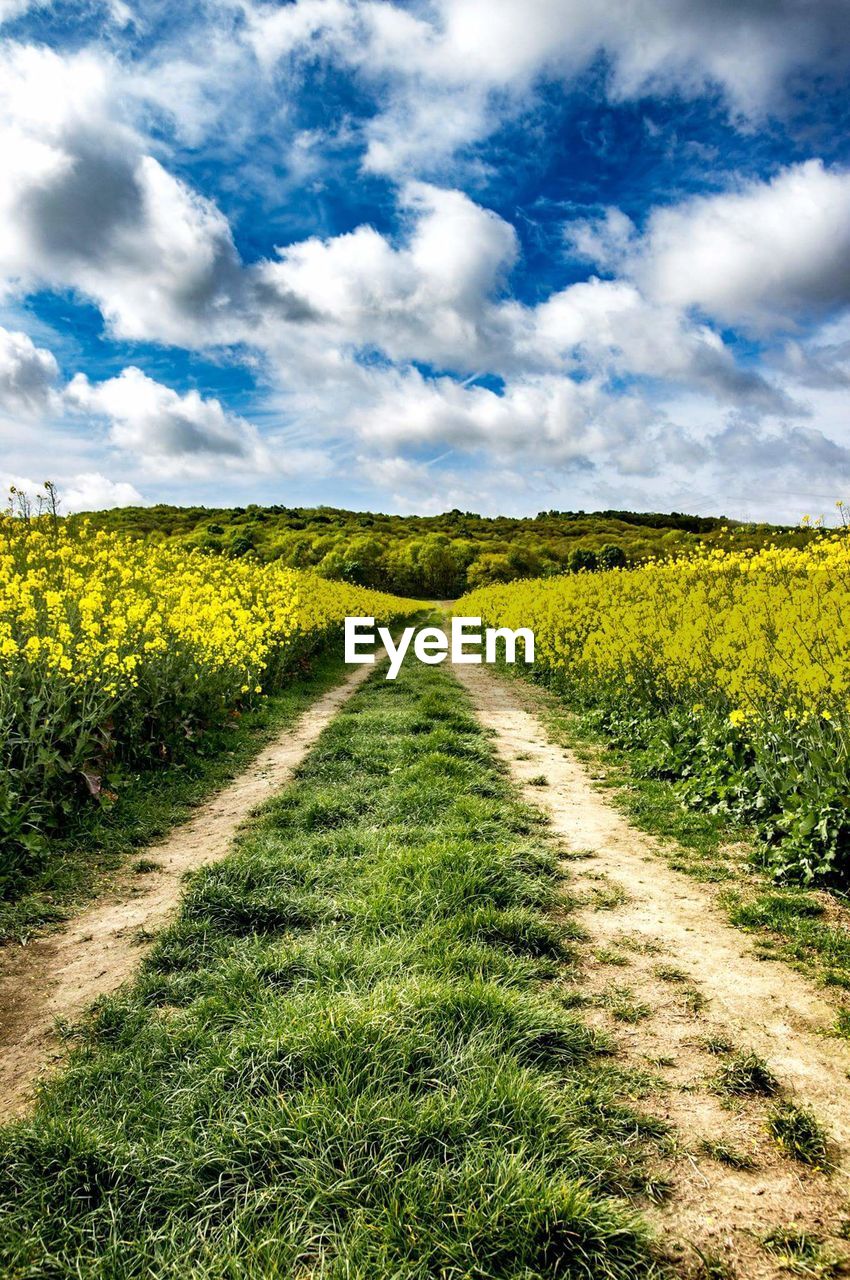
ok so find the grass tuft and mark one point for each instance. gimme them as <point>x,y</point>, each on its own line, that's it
<point>801,1253</point>
<point>733,1157</point>
<point>712,1266</point>
<point>717,1044</point>
<point>799,1134</point>
<point>746,1073</point>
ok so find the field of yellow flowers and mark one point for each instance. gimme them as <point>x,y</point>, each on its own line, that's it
<point>117,652</point>
<point>731,672</point>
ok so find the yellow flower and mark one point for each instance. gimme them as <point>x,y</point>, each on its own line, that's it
<point>109,615</point>
<point>764,630</point>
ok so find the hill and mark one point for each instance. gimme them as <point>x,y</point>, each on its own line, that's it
<point>437,556</point>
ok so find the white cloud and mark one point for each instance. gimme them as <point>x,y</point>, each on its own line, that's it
<point>765,254</point>
<point>28,376</point>
<point>448,71</point>
<point>168,433</point>
<point>749,449</point>
<point>11,9</point>
<point>547,421</point>
<point>429,488</point>
<point>88,491</point>
<point>426,300</point>
<point>604,240</point>
<point>608,327</point>
<point>91,491</point>
<point>335,324</point>
<point>82,206</point>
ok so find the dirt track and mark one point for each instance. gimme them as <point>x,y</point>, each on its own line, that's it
<point>655,939</point>
<point>58,976</point>
<point>658,919</point>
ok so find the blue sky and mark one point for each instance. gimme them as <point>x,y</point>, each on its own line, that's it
<point>412,256</point>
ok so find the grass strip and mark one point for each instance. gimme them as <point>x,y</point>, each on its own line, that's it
<point>352,1055</point>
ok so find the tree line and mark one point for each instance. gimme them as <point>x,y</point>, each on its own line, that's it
<point>437,556</point>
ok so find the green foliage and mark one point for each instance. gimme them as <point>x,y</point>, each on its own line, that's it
<point>612,557</point>
<point>437,557</point>
<point>583,560</point>
<point>789,779</point>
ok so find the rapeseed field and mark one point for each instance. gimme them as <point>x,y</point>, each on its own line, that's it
<point>731,667</point>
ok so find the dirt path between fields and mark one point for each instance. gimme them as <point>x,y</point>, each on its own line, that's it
<point>671,980</point>
<point>56,977</point>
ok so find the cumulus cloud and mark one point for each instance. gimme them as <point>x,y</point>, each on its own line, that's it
<point>546,421</point>
<point>82,206</point>
<point>166,432</point>
<point>169,435</point>
<point>424,300</point>
<point>436,298</point>
<point>801,455</point>
<point>88,491</point>
<point>817,363</point>
<point>428,488</point>
<point>604,240</point>
<point>28,376</point>
<point>91,491</point>
<point>11,9</point>
<point>608,378</point>
<point>764,254</point>
<point>609,327</point>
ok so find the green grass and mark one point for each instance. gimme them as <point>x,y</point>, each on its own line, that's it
<point>746,1073</point>
<point>799,1134</point>
<point>669,973</point>
<point>801,1253</point>
<point>150,803</point>
<point>712,1266</point>
<point>352,1056</point>
<point>723,1153</point>
<point>717,1044</point>
<point>623,1006</point>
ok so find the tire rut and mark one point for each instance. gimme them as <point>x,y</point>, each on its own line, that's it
<point>52,979</point>
<point>633,904</point>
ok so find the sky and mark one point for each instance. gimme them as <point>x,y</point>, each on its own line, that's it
<point>489,254</point>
